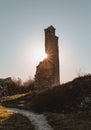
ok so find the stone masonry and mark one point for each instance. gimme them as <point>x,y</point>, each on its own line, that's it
<point>47,72</point>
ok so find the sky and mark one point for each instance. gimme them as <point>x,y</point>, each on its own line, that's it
<point>22,24</point>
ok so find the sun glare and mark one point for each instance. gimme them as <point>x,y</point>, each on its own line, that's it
<point>41,56</point>
<point>46,56</point>
<point>35,54</point>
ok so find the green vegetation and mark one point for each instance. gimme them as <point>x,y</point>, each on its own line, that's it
<point>11,121</point>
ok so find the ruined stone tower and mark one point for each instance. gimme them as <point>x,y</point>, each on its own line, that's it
<point>47,72</point>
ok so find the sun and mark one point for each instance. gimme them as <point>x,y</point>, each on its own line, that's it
<point>45,56</point>
<point>34,54</point>
<point>42,55</point>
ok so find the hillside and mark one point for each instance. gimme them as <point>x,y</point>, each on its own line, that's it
<point>69,97</point>
<point>66,107</point>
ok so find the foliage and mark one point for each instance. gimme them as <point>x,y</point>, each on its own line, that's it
<point>29,85</point>
<point>15,86</point>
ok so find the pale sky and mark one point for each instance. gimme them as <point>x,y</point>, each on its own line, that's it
<point>22,24</point>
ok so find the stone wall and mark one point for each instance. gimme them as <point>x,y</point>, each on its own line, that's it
<point>47,72</point>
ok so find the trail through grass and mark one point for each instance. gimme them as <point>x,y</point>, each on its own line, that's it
<point>13,121</point>
<point>38,120</point>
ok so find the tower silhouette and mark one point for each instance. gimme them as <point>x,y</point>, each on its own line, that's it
<point>51,48</point>
<point>47,72</point>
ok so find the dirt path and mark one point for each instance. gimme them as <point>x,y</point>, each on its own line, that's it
<point>38,120</point>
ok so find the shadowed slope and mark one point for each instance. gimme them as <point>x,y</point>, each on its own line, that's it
<point>70,97</point>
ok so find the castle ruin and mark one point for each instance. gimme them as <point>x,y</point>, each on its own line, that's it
<point>47,72</point>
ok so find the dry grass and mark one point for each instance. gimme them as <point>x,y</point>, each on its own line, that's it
<point>81,121</point>
<point>16,96</point>
<point>11,121</point>
<point>4,115</point>
<point>64,99</point>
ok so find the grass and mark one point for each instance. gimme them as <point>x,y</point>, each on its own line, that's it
<point>80,121</point>
<point>64,98</point>
<point>16,96</point>
<point>11,121</point>
<point>4,115</point>
<point>14,101</point>
<point>60,104</point>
